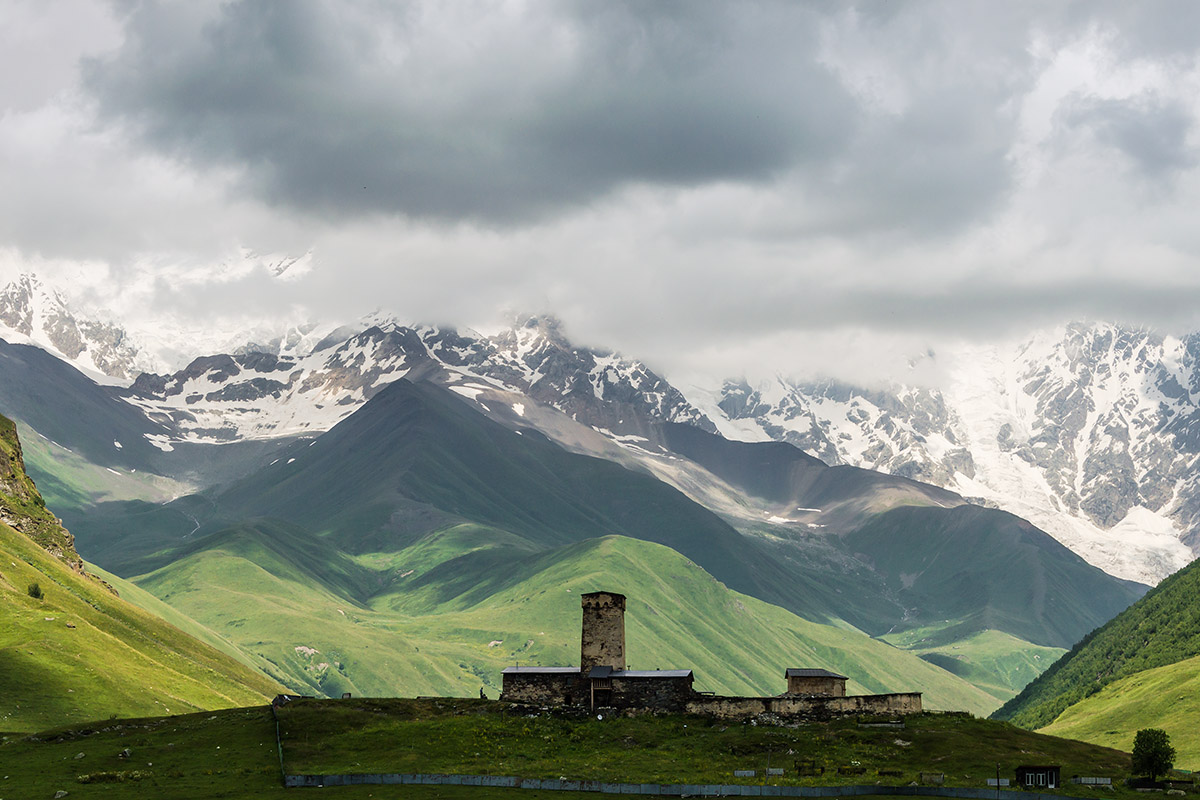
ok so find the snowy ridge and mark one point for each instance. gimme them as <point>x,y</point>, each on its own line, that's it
<point>257,395</point>
<point>1092,432</point>
<point>31,313</point>
<point>908,431</point>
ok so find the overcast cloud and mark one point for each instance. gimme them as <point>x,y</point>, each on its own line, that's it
<point>717,187</point>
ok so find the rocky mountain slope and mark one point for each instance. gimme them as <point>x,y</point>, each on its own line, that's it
<point>262,395</point>
<point>420,502</point>
<point>417,461</point>
<point>1089,431</point>
<point>22,507</point>
<point>32,313</point>
<point>370,437</point>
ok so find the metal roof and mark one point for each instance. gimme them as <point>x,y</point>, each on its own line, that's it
<point>652,673</point>
<point>813,673</point>
<point>543,670</point>
<point>600,672</point>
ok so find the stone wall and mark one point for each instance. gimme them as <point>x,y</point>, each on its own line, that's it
<point>658,694</point>
<point>807,708</point>
<point>545,689</point>
<point>823,687</point>
<point>675,694</point>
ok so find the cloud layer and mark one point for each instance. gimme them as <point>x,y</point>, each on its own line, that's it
<point>678,179</point>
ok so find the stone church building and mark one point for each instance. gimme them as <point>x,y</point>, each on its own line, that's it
<point>602,681</point>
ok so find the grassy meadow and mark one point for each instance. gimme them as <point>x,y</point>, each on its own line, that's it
<point>995,661</point>
<point>1163,697</point>
<point>232,754</point>
<point>438,622</point>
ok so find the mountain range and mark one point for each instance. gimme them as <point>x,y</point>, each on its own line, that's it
<point>402,483</point>
<point>1087,430</point>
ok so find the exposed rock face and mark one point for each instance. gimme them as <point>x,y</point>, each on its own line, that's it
<point>29,309</point>
<point>22,507</point>
<point>1091,431</point>
<point>909,431</point>
<point>262,395</point>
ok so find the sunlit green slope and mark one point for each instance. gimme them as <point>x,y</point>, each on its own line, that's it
<point>72,650</point>
<point>447,614</point>
<point>1162,628</point>
<point>1164,697</point>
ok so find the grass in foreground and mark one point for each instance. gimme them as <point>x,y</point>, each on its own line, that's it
<point>480,737</point>
<point>225,754</point>
<point>232,754</point>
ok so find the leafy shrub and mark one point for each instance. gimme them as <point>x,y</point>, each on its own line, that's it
<point>35,591</point>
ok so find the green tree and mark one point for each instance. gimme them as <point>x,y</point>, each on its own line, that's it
<point>35,591</point>
<point>1152,753</point>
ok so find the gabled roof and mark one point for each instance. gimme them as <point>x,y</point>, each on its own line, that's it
<point>814,673</point>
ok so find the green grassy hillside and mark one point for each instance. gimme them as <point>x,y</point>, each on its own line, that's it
<point>1163,697</point>
<point>447,614</point>
<point>997,662</point>
<point>1162,628</point>
<point>985,569</point>
<point>70,648</point>
<point>67,480</point>
<point>356,508</point>
<point>416,459</point>
<point>82,653</point>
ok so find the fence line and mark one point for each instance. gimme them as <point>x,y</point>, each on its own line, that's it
<point>655,789</point>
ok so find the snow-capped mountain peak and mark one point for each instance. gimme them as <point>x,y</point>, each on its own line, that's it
<point>1091,431</point>
<point>32,313</point>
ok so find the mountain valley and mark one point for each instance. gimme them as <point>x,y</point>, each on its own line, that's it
<point>388,489</point>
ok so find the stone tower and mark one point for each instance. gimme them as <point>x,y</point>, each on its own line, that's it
<point>602,643</point>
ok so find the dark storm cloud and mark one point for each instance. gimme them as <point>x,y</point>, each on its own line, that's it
<point>347,108</point>
<point>937,166</point>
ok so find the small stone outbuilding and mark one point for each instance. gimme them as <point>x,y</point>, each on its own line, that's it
<point>815,683</point>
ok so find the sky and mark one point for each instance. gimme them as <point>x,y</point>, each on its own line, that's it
<point>717,188</point>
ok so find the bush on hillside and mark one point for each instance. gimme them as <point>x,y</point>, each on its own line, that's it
<point>1152,753</point>
<point>35,591</point>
